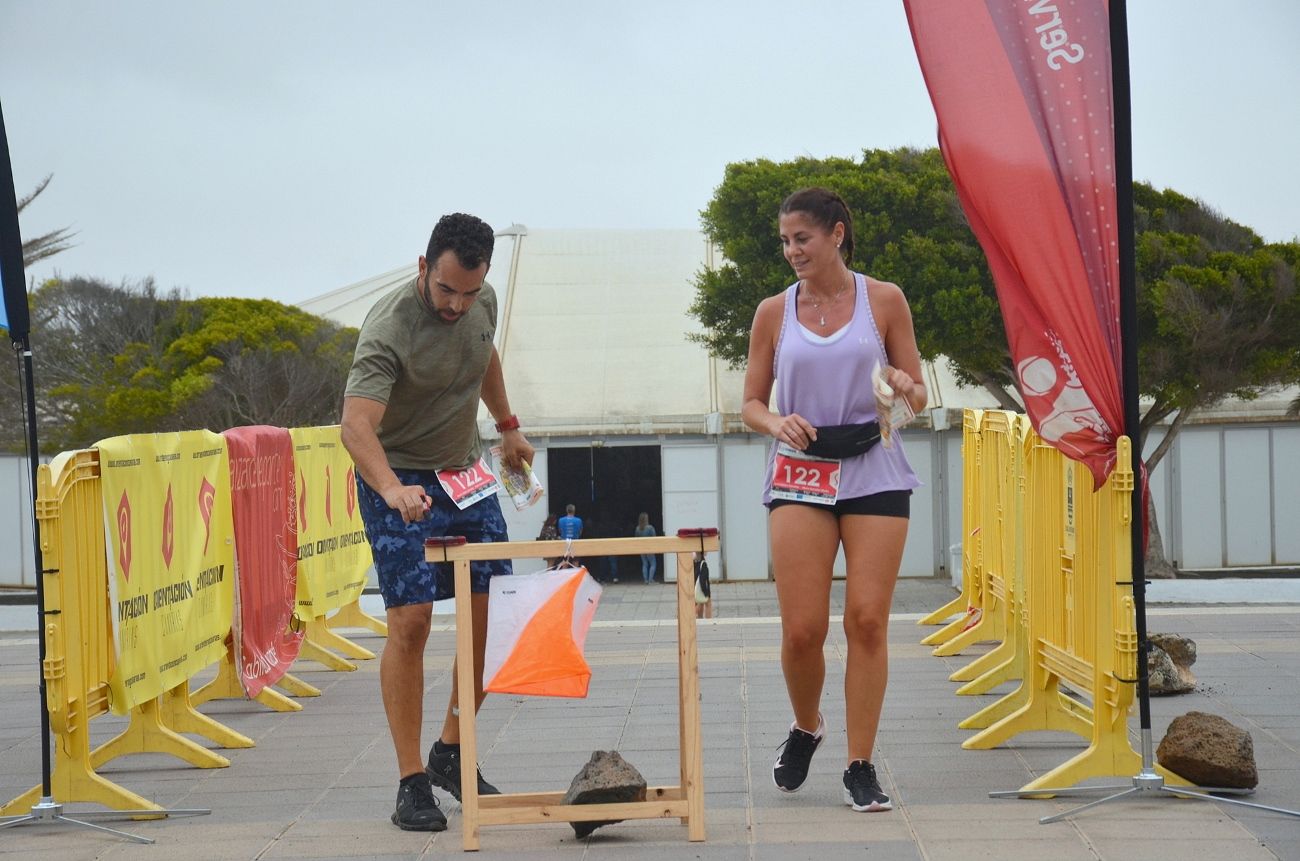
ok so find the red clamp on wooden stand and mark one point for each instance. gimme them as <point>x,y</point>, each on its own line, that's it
<point>444,542</point>
<point>698,532</point>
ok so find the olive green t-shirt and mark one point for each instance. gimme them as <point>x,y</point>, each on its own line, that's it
<point>429,373</point>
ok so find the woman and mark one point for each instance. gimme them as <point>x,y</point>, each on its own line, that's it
<point>818,342</point>
<point>648,562</point>
<point>550,532</point>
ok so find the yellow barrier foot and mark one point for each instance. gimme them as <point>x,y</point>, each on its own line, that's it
<point>1099,760</point>
<point>181,715</point>
<point>320,634</point>
<point>996,711</point>
<point>84,788</point>
<point>296,686</point>
<point>146,733</point>
<point>225,686</point>
<point>276,701</point>
<point>995,657</point>
<point>944,613</point>
<point>352,616</point>
<point>947,632</point>
<point>312,652</point>
<point>1008,670</point>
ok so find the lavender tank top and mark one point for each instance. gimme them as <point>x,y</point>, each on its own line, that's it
<point>828,382</point>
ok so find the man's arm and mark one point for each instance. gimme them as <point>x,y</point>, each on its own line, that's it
<point>361,418</point>
<point>514,445</point>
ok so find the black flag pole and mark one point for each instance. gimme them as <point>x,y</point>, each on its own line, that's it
<point>1148,780</point>
<point>17,317</point>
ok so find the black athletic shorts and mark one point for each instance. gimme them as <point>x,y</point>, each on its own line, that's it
<point>888,503</point>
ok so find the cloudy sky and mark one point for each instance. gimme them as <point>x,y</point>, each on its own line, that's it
<point>286,149</point>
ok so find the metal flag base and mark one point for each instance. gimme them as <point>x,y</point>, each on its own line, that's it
<point>49,810</point>
<point>1146,782</point>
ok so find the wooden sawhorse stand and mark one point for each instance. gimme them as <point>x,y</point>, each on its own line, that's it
<point>685,801</point>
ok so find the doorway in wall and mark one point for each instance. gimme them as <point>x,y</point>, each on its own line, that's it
<point>610,485</point>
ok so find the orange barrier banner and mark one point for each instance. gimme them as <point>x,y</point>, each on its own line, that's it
<point>266,549</point>
<point>333,554</point>
<point>170,558</point>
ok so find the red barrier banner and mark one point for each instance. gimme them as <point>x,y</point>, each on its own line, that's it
<point>1022,92</point>
<point>266,553</point>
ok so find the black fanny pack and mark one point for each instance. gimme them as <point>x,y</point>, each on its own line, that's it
<point>839,442</point>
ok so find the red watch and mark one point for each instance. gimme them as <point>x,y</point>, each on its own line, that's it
<point>511,423</point>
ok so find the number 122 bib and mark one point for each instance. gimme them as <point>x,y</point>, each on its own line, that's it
<point>800,477</point>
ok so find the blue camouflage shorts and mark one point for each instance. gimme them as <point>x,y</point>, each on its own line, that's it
<point>398,548</point>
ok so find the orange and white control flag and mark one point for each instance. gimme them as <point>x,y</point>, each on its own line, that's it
<point>537,627</point>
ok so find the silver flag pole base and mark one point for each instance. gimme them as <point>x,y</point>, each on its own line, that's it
<point>1144,783</point>
<point>51,811</point>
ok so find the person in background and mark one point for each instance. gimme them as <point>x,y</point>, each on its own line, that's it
<point>648,560</point>
<point>550,532</point>
<point>570,525</point>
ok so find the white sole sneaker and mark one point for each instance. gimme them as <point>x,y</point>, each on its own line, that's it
<point>873,807</point>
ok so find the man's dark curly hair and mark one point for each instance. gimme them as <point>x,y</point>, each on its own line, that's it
<point>466,236</point>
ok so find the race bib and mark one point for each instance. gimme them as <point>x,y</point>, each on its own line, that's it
<point>467,486</point>
<point>800,477</point>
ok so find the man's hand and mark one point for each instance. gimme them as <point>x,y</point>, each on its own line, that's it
<point>409,500</point>
<point>515,448</point>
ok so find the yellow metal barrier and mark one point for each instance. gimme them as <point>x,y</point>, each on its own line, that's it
<point>1007,436</point>
<point>80,648</point>
<point>333,555</point>
<point>1054,555</point>
<point>995,525</point>
<point>77,631</point>
<point>80,656</point>
<point>972,592</point>
<point>1043,519</point>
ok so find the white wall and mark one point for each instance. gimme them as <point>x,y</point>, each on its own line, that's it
<point>919,552</point>
<point>17,566</point>
<point>1286,493</point>
<point>1200,508</point>
<point>744,528</point>
<point>690,487</point>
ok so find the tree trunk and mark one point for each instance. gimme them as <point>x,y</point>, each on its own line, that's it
<point>1157,567</point>
<point>1004,398</point>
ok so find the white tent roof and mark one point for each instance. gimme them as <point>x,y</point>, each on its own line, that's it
<point>592,333</point>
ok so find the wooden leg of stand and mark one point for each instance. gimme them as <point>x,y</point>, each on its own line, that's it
<point>692,752</point>
<point>469,813</point>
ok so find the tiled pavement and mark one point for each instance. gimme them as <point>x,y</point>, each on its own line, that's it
<point>320,783</point>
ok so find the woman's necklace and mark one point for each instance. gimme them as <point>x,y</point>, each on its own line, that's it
<point>829,303</point>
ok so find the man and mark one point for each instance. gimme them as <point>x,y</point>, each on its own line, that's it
<point>570,525</point>
<point>424,358</point>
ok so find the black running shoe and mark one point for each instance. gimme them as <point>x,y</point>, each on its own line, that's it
<point>444,771</point>
<point>417,807</point>
<point>862,789</point>
<point>791,767</point>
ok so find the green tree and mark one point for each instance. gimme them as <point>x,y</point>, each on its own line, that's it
<point>1218,310</point>
<point>126,359</point>
<point>908,227</point>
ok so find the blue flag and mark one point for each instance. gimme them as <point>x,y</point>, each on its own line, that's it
<point>4,316</point>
